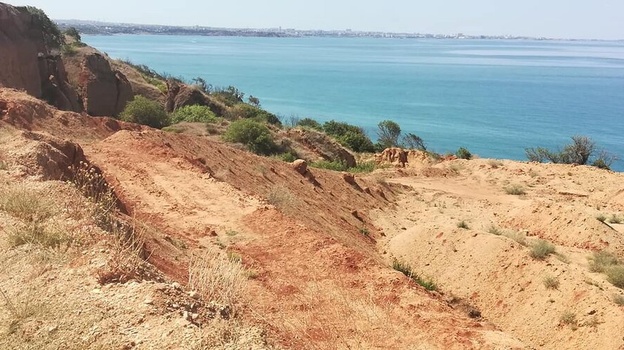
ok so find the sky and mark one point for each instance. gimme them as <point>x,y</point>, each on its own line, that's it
<point>581,19</point>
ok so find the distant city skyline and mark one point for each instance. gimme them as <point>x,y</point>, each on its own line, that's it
<point>579,19</point>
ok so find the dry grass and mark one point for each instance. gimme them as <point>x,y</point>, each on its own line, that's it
<point>128,256</point>
<point>217,278</point>
<point>541,249</point>
<point>20,308</point>
<point>551,282</point>
<point>92,184</point>
<point>463,225</point>
<point>495,164</point>
<point>495,230</point>
<point>569,318</point>
<point>615,275</point>
<point>26,204</point>
<point>601,261</point>
<point>517,236</point>
<point>281,198</point>
<point>618,299</point>
<point>516,190</point>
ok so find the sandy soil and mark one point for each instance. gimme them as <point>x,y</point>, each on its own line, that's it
<point>317,251</point>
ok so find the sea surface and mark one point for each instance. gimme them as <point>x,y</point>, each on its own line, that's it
<point>493,97</point>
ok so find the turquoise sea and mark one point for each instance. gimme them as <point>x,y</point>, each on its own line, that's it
<point>493,97</point>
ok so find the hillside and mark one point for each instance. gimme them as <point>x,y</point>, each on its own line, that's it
<point>115,235</point>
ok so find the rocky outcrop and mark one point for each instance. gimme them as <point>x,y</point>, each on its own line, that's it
<point>105,91</point>
<point>28,64</point>
<point>180,95</point>
<point>400,157</point>
<point>312,145</point>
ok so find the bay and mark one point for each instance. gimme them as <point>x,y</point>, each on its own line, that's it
<point>494,97</point>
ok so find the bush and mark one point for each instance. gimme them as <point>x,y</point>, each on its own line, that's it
<point>551,282</point>
<point>255,135</point>
<point>413,141</point>
<point>515,190</point>
<point>333,165</point>
<point>615,275</point>
<point>602,261</point>
<point>350,136</point>
<point>310,123</point>
<point>541,250</point>
<point>194,113</point>
<point>463,225</point>
<point>246,111</point>
<point>463,153</point>
<point>581,151</point>
<point>73,33</point>
<point>144,111</point>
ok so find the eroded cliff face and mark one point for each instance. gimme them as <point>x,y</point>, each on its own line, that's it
<point>28,63</point>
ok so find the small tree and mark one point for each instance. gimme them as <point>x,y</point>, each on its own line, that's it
<point>144,111</point>
<point>581,151</point>
<point>463,153</point>
<point>254,101</point>
<point>388,133</point>
<point>72,32</point>
<point>413,141</point>
<point>309,123</point>
<point>253,134</point>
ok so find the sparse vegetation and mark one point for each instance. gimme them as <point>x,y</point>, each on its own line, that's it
<point>541,249</point>
<point>495,164</point>
<point>601,261</point>
<point>614,219</point>
<point>364,231</point>
<point>93,186</point>
<point>194,114</point>
<point>247,111</point>
<point>364,167</point>
<point>281,198</point>
<point>52,36</point>
<point>601,217</point>
<point>551,282</point>
<point>463,225</point>
<point>495,230</point>
<point>568,318</point>
<point>615,275</point>
<point>516,190</point>
<point>144,111</point>
<point>253,134</point>
<point>581,151</point>
<point>128,256</point>
<point>406,269</point>
<point>350,136</point>
<point>309,123</point>
<point>618,299</point>
<point>218,278</point>
<point>463,153</point>
<point>516,236</point>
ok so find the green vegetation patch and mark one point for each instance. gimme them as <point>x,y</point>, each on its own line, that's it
<point>144,111</point>
<point>194,114</point>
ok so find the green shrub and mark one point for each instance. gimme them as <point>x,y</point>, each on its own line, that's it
<point>144,111</point>
<point>581,151</point>
<point>406,269</point>
<point>350,136</point>
<point>253,134</point>
<point>388,133</point>
<point>288,157</point>
<point>310,123</point>
<point>194,113</point>
<point>363,167</point>
<point>541,250</point>
<point>463,153</point>
<point>73,33</point>
<point>246,111</point>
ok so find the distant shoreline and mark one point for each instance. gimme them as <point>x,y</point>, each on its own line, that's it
<point>105,28</point>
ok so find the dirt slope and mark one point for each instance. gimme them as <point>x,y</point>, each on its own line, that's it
<point>308,244</point>
<point>494,272</point>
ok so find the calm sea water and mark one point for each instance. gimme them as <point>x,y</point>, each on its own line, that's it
<point>493,97</point>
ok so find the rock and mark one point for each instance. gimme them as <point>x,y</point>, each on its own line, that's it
<point>52,329</point>
<point>148,301</point>
<point>194,295</point>
<point>176,285</point>
<point>30,62</point>
<point>312,145</point>
<point>180,95</point>
<point>105,91</point>
<point>300,166</point>
<point>349,178</point>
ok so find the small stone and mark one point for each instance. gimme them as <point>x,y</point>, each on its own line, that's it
<point>148,301</point>
<point>96,291</point>
<point>591,311</point>
<point>300,166</point>
<point>52,329</point>
<point>176,285</point>
<point>194,295</point>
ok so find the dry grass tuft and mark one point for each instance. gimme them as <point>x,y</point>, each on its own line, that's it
<point>128,256</point>
<point>569,318</point>
<point>26,204</point>
<point>551,282</point>
<point>601,261</point>
<point>217,278</point>
<point>517,236</point>
<point>541,250</point>
<point>516,190</point>
<point>618,299</point>
<point>92,184</point>
<point>281,198</point>
<point>615,275</point>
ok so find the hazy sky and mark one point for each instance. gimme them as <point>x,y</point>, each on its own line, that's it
<point>601,19</point>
